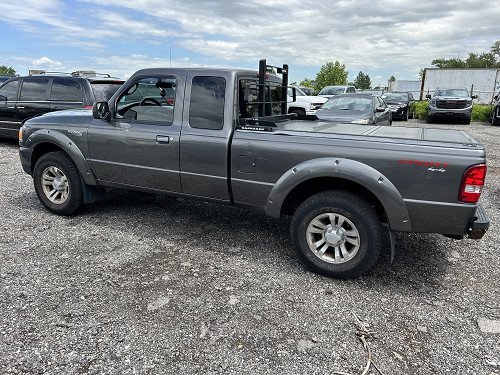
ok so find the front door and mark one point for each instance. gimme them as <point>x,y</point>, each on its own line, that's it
<point>139,147</point>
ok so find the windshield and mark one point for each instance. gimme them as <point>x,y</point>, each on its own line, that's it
<point>349,104</point>
<point>460,93</point>
<point>332,91</point>
<point>298,92</point>
<point>395,96</point>
<point>104,90</point>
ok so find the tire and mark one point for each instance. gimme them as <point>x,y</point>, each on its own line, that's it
<point>341,256</point>
<point>407,115</point>
<point>411,114</point>
<point>495,121</point>
<point>300,112</point>
<point>466,121</point>
<point>429,119</point>
<point>57,183</point>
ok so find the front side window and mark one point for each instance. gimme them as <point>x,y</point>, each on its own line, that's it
<point>68,90</point>
<point>9,90</point>
<point>34,89</point>
<point>150,100</point>
<point>206,109</point>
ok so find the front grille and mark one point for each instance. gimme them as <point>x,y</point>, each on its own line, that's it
<point>451,104</point>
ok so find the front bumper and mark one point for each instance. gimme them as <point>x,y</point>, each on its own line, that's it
<point>398,112</point>
<point>25,156</point>
<point>450,112</point>
<point>480,223</point>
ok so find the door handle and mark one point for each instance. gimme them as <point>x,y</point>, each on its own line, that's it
<point>162,139</point>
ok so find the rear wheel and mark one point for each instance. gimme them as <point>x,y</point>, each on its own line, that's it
<point>429,119</point>
<point>300,112</point>
<point>337,234</point>
<point>57,183</point>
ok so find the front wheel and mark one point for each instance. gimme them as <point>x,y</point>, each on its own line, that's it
<point>57,183</point>
<point>337,234</point>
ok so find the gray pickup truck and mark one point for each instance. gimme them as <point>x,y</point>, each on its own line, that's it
<point>224,135</point>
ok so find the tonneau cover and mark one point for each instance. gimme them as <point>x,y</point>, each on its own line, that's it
<point>400,132</point>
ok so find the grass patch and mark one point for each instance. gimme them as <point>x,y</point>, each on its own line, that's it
<point>480,112</point>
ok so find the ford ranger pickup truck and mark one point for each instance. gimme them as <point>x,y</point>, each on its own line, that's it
<point>224,135</point>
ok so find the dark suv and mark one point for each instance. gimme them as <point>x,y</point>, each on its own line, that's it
<point>22,98</point>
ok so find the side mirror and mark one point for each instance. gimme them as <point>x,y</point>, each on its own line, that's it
<point>294,94</point>
<point>427,96</point>
<point>379,109</point>
<point>100,111</point>
<point>474,96</point>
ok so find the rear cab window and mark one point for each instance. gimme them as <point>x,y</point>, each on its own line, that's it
<point>66,90</point>
<point>206,109</point>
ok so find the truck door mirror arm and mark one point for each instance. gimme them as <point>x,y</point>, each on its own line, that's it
<point>100,110</point>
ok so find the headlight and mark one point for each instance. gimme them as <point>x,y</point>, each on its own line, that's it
<point>433,102</point>
<point>402,105</point>
<point>361,121</point>
<point>469,103</point>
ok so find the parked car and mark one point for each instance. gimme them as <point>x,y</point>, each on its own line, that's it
<point>378,92</point>
<point>329,91</point>
<point>450,103</point>
<point>5,78</point>
<point>495,113</point>
<point>400,104</point>
<point>356,109</point>
<point>303,104</point>
<point>307,90</point>
<point>22,98</point>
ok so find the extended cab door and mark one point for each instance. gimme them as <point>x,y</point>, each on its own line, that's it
<point>140,145</point>
<point>206,134</point>
<point>65,93</point>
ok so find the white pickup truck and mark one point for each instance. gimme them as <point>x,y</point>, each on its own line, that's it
<point>303,104</point>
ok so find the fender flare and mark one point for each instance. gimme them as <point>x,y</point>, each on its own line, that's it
<point>346,169</point>
<point>62,141</point>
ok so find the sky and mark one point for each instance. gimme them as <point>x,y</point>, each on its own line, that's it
<point>380,38</point>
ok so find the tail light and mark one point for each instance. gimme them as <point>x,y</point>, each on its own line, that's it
<point>472,183</point>
<point>87,106</point>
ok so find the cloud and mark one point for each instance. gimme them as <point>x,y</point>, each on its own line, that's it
<point>46,63</point>
<point>401,36</point>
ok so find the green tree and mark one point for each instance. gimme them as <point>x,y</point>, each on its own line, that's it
<point>331,73</point>
<point>362,81</point>
<point>483,60</point>
<point>307,83</point>
<point>7,71</point>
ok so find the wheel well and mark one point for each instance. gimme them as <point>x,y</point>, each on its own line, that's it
<point>40,150</point>
<point>317,185</point>
<point>291,109</point>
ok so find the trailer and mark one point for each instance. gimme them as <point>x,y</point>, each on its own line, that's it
<point>412,87</point>
<point>484,83</point>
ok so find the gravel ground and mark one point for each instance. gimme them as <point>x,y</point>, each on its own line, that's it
<point>141,284</point>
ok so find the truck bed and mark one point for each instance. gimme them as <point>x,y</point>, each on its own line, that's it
<point>396,132</point>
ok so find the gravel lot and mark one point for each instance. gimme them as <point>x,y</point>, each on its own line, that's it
<point>141,284</point>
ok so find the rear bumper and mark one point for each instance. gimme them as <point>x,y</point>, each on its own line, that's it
<point>480,224</point>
